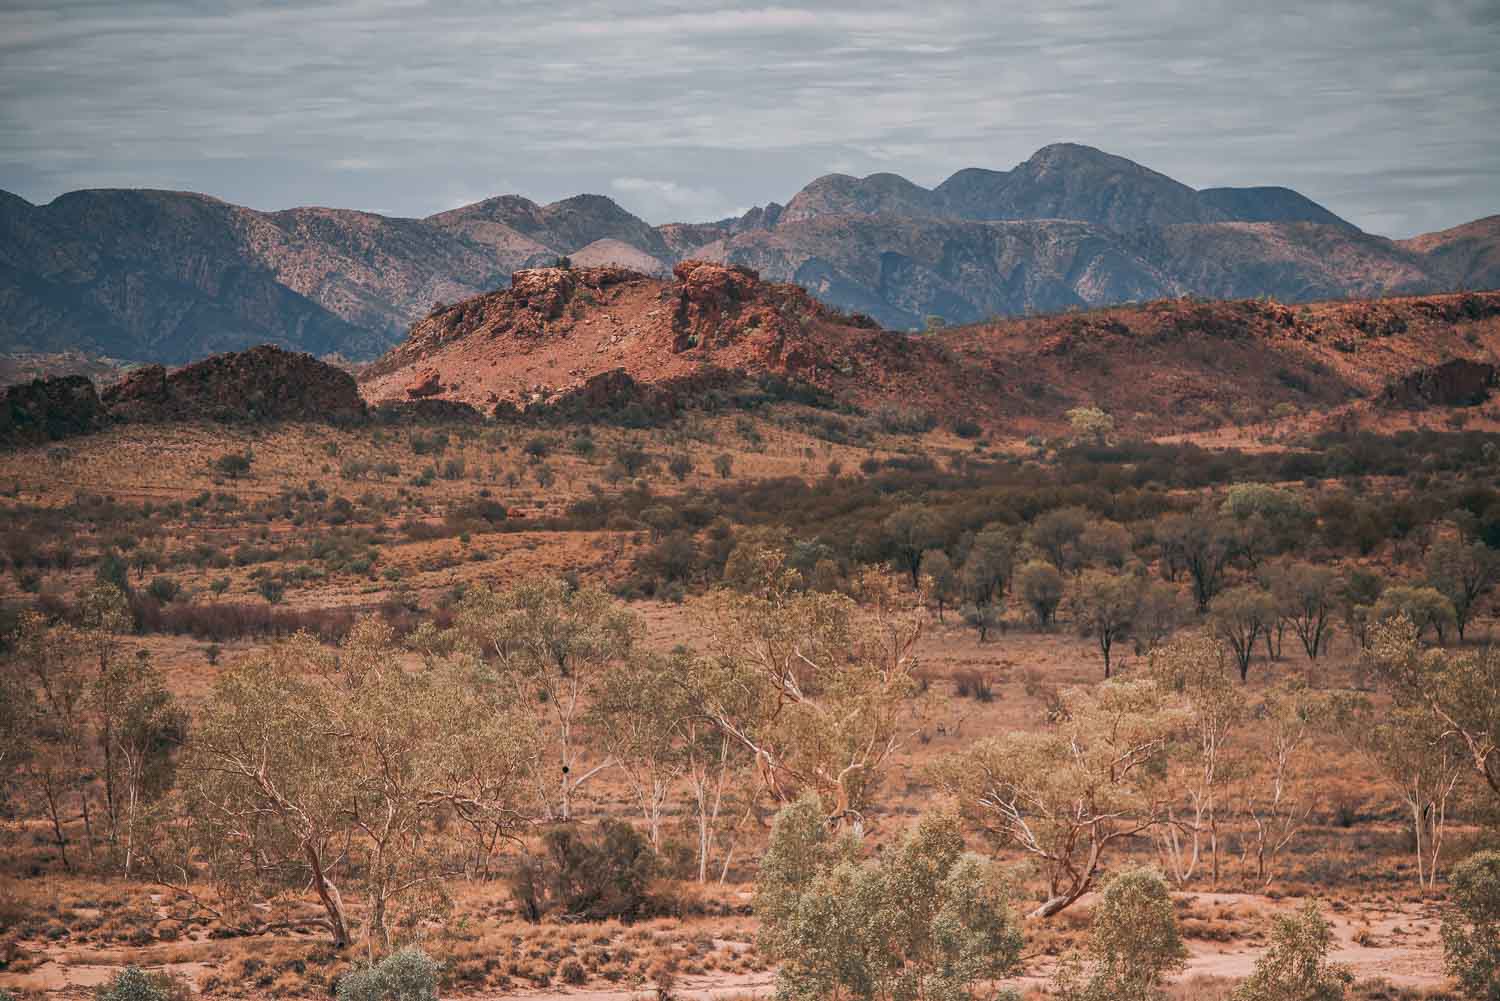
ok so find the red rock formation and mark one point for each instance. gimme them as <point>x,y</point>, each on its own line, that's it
<point>264,383</point>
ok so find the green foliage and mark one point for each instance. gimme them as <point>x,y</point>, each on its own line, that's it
<point>233,464</point>
<point>927,920</point>
<point>135,984</point>
<point>1463,573</point>
<point>1091,425</point>
<point>1106,605</point>
<point>1066,794</point>
<point>1041,586</point>
<point>1295,966</point>
<point>408,974</point>
<point>1424,607</point>
<point>1134,944</point>
<point>1471,929</point>
<point>907,533</point>
<point>1239,617</point>
<point>164,589</point>
<point>594,878</point>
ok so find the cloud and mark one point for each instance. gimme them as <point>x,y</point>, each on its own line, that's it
<point>1383,111</point>
<point>668,199</point>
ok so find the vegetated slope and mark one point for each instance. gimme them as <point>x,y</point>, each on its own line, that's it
<point>1179,365</point>
<point>1468,255</point>
<point>588,335</point>
<point>264,383</point>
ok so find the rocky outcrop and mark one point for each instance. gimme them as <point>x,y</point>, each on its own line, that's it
<point>1456,383</point>
<point>49,409</point>
<point>262,384</point>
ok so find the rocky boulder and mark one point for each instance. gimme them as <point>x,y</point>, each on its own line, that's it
<point>1455,383</point>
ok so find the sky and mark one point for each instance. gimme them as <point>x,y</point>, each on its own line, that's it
<point>1385,111</point>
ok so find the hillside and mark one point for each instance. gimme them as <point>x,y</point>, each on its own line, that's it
<point>173,276</point>
<point>567,336</point>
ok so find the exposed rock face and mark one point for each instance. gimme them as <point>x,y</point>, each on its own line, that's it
<point>262,384</point>
<point>1455,383</point>
<point>625,341</point>
<point>49,409</point>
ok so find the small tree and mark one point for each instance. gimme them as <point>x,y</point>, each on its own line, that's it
<point>909,532</point>
<point>927,920</point>
<point>1197,667</point>
<point>983,619</point>
<point>1134,944</point>
<point>1408,750</point>
<point>1239,616</point>
<point>550,645</point>
<point>1306,595</point>
<point>987,567</point>
<point>1471,928</point>
<point>939,580</point>
<point>1424,607</point>
<point>1105,606</point>
<point>1295,966</point>
<point>312,768</point>
<point>233,464</point>
<point>680,466</point>
<point>1201,542</point>
<point>1459,691</point>
<point>1463,573</point>
<point>1040,586</point>
<point>1056,534</point>
<point>1275,791</point>
<point>724,465</point>
<point>1066,795</point>
<point>817,689</point>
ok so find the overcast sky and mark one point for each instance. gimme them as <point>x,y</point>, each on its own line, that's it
<point>1385,111</point>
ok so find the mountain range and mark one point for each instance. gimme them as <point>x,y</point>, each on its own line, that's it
<point>173,276</point>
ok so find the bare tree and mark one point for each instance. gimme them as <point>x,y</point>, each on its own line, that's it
<point>1197,667</point>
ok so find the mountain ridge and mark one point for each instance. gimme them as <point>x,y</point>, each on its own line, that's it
<point>152,275</point>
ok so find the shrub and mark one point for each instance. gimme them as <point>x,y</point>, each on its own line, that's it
<point>571,971</point>
<point>1041,587</point>
<point>1296,967</point>
<point>233,464</point>
<point>594,878</point>
<point>1471,930</point>
<point>135,984</point>
<point>407,974</point>
<point>164,589</point>
<point>926,920</point>
<point>1134,943</point>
